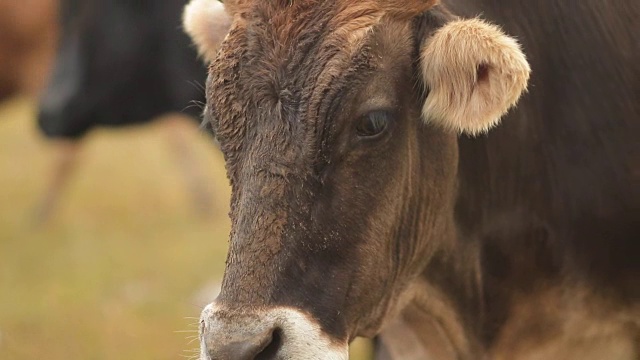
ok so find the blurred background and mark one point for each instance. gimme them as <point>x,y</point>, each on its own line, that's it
<point>112,238</point>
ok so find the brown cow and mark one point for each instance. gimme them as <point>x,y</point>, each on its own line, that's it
<point>363,207</point>
<point>28,33</point>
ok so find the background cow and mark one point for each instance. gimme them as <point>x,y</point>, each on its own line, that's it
<point>120,63</point>
<point>362,205</point>
<point>28,34</point>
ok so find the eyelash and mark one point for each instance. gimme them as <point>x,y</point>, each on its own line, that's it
<point>373,124</point>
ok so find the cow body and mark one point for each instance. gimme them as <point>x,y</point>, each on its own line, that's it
<point>357,209</point>
<point>120,63</point>
<point>551,199</point>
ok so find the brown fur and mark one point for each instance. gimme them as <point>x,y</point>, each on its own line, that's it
<point>28,34</point>
<point>568,323</point>
<point>404,9</point>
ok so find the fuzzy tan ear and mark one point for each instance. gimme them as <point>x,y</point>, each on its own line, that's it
<point>207,23</point>
<point>474,72</point>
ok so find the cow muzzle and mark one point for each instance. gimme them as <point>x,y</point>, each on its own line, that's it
<point>265,334</point>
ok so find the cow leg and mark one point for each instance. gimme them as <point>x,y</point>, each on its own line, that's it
<point>66,161</point>
<point>197,185</point>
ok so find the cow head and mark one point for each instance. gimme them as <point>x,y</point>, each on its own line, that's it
<point>339,123</point>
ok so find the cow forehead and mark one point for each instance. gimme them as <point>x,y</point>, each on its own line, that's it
<point>284,61</point>
<point>282,53</point>
<point>283,38</point>
<point>342,18</point>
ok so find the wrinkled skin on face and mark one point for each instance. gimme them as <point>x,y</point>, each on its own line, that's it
<point>325,219</point>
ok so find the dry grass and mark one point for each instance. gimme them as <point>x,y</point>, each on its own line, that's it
<point>125,264</point>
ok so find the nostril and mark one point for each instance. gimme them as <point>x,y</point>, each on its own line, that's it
<point>261,346</point>
<point>271,350</point>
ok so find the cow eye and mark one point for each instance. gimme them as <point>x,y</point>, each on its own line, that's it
<point>373,124</point>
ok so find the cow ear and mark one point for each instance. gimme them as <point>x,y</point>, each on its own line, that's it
<point>207,23</point>
<point>474,73</point>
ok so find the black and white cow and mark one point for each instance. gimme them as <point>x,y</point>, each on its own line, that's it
<point>119,62</point>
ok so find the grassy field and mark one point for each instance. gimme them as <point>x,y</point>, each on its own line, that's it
<point>125,264</point>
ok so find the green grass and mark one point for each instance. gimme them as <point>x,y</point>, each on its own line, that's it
<point>125,264</point>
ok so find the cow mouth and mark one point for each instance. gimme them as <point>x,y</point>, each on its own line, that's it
<point>265,334</point>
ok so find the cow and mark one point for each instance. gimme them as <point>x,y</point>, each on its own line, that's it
<point>374,194</point>
<point>120,63</point>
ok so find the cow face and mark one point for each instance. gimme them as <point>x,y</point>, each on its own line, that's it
<point>339,123</point>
